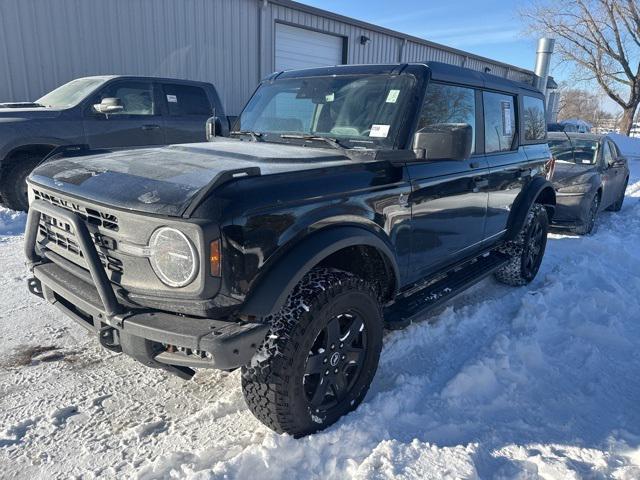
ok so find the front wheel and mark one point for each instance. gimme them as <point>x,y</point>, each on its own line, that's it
<point>320,355</point>
<point>526,251</point>
<point>590,224</point>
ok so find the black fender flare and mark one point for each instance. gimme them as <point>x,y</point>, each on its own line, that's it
<point>538,188</point>
<point>272,288</point>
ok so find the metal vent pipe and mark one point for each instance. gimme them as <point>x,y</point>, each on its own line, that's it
<point>543,60</point>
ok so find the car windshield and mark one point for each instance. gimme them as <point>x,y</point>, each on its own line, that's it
<point>575,151</point>
<point>71,93</point>
<point>357,110</point>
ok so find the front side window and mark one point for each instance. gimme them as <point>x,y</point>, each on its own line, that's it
<point>136,98</point>
<point>359,110</point>
<point>607,155</point>
<point>499,122</point>
<point>186,100</point>
<point>449,104</point>
<point>534,120</point>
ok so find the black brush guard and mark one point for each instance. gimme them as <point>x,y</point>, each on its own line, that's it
<point>90,300</point>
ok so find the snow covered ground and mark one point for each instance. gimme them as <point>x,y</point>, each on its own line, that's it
<point>533,382</point>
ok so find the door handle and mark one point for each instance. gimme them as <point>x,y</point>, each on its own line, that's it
<point>481,182</point>
<point>474,164</point>
<point>150,127</point>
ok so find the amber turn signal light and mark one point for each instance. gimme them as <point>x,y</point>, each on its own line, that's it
<point>214,258</point>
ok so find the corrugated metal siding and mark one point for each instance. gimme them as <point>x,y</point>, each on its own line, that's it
<point>45,43</point>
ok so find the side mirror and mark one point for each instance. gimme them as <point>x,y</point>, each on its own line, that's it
<point>444,141</point>
<point>109,105</point>
<point>213,128</point>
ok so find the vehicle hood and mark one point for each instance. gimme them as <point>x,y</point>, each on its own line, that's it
<point>164,180</point>
<point>19,114</point>
<point>573,173</point>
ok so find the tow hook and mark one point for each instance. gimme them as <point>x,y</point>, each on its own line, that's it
<point>35,287</point>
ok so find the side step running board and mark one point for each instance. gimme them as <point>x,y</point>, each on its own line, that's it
<point>408,309</point>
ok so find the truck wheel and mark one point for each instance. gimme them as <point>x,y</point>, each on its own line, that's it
<point>527,250</point>
<point>617,206</point>
<point>14,182</point>
<point>320,356</point>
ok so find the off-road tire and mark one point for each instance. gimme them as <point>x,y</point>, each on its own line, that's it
<point>274,383</point>
<point>590,225</point>
<point>617,206</point>
<point>518,270</point>
<point>13,189</point>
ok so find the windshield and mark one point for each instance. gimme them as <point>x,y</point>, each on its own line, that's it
<point>575,151</point>
<point>358,110</point>
<point>71,93</point>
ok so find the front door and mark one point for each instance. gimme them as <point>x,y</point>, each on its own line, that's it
<point>449,197</point>
<point>139,123</point>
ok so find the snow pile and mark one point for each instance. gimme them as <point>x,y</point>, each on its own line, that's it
<point>533,382</point>
<point>629,146</point>
<point>11,223</point>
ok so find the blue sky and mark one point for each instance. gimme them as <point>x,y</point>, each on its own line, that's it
<point>491,28</point>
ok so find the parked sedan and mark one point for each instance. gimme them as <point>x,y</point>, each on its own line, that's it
<point>590,175</point>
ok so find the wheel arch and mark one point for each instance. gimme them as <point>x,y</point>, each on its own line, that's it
<point>540,191</point>
<point>42,147</point>
<point>349,248</point>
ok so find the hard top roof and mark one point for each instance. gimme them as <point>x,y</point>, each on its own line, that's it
<point>439,71</point>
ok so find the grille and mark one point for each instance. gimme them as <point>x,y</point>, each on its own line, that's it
<point>90,215</point>
<point>61,233</point>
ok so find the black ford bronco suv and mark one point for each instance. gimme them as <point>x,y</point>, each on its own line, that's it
<point>112,111</point>
<point>352,199</point>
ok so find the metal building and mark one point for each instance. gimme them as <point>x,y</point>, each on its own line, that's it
<point>231,43</point>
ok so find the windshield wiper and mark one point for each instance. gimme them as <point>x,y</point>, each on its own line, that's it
<point>255,136</point>
<point>333,142</point>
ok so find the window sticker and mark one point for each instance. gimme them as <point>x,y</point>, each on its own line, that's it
<point>330,97</point>
<point>379,131</point>
<point>392,97</point>
<point>507,129</point>
<point>172,99</point>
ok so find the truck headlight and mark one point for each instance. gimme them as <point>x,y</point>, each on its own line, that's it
<point>173,257</point>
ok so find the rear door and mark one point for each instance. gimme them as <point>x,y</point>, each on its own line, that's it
<point>507,162</point>
<point>187,108</point>
<point>138,124</point>
<point>449,197</point>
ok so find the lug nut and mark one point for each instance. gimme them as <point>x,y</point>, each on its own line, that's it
<point>324,361</point>
<point>326,372</point>
<point>344,357</point>
<point>335,371</point>
<point>341,345</point>
<point>333,347</point>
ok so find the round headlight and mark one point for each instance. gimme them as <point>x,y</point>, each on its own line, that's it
<point>173,258</point>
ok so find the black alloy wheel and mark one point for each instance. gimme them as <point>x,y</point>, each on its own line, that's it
<point>335,361</point>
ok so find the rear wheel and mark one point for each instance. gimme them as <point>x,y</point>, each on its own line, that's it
<point>527,250</point>
<point>320,355</point>
<point>591,222</point>
<point>617,206</point>
<point>14,182</point>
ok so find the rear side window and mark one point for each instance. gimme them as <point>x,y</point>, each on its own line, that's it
<point>186,100</point>
<point>499,122</point>
<point>449,104</point>
<point>534,120</point>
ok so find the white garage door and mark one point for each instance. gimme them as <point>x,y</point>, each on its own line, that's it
<point>302,48</point>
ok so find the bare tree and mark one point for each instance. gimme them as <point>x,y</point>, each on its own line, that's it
<point>602,39</point>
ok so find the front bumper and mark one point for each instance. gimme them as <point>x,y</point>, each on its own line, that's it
<point>154,337</point>
<point>571,209</point>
